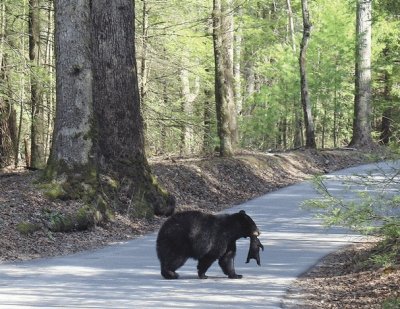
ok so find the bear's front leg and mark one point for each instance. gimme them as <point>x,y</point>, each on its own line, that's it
<point>226,262</point>
<point>203,265</point>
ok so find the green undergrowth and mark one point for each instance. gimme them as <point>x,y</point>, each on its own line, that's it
<point>26,228</point>
<point>392,303</point>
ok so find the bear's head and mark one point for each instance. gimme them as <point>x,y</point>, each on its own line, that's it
<point>247,225</point>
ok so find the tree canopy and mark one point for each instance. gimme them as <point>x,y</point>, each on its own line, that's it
<point>175,64</point>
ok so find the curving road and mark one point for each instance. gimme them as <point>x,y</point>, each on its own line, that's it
<point>126,275</point>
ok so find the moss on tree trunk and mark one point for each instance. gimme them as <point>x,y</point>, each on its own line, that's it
<point>98,154</point>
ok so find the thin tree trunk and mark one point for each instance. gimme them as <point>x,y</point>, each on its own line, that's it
<point>143,61</point>
<point>20,120</point>
<point>188,98</point>
<point>291,24</point>
<point>163,127</point>
<point>7,112</point>
<point>21,111</point>
<point>305,96</point>
<point>362,100</point>
<point>3,25</point>
<point>207,139</point>
<point>335,108</point>
<point>237,65</point>
<point>49,61</point>
<point>387,116</point>
<point>297,136</point>
<point>224,96</point>
<point>38,159</point>
<point>229,44</point>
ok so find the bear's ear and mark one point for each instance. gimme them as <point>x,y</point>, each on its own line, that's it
<point>242,212</point>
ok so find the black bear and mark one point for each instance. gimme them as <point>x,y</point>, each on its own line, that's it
<point>203,237</point>
<point>254,250</point>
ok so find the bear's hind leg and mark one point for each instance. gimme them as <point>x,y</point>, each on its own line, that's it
<point>168,274</point>
<point>168,269</point>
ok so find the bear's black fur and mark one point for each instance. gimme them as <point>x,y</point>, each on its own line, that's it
<point>203,237</point>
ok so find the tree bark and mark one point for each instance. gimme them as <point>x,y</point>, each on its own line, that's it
<point>38,158</point>
<point>143,59</point>
<point>297,134</point>
<point>188,98</point>
<point>291,24</point>
<point>362,100</point>
<point>224,81</point>
<point>305,96</point>
<point>387,115</point>
<point>237,65</point>
<point>72,148</point>
<point>207,122</point>
<point>120,137</point>
<point>98,139</point>
<point>7,112</point>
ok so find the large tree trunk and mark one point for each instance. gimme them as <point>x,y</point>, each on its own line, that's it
<point>305,96</point>
<point>72,148</point>
<point>224,80</point>
<point>38,159</point>
<point>98,146</point>
<point>362,100</point>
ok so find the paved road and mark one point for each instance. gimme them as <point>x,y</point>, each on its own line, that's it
<point>126,275</point>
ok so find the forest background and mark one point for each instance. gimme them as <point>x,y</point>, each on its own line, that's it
<point>179,55</point>
<point>175,58</point>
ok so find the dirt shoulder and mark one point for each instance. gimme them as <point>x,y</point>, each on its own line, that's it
<point>210,184</point>
<point>348,279</point>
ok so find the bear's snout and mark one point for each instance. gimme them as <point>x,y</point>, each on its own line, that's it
<point>256,233</point>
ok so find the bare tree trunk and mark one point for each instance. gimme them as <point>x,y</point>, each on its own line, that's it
<point>297,136</point>
<point>362,100</point>
<point>49,99</point>
<point>207,139</point>
<point>120,147</point>
<point>188,98</point>
<point>7,112</point>
<point>21,111</point>
<point>224,94</point>
<point>305,96</point>
<point>237,65</point>
<point>291,24</point>
<point>38,159</point>
<point>143,59</point>
<point>387,116</point>
<point>163,135</point>
<point>3,25</point>
<point>72,148</point>
<point>98,146</point>
<point>227,18</point>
